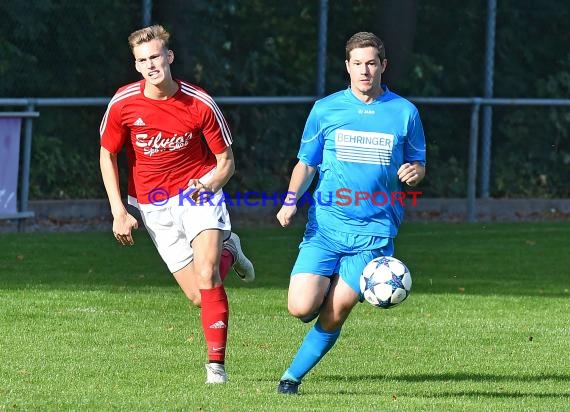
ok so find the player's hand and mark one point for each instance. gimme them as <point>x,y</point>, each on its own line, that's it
<point>285,214</point>
<point>411,174</point>
<point>202,193</point>
<point>122,229</point>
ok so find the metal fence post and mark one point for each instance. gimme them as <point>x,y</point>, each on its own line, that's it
<point>472,166</point>
<point>26,161</point>
<point>487,126</point>
<point>146,12</point>
<point>322,48</point>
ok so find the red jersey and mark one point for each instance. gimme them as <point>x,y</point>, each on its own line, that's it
<point>168,142</point>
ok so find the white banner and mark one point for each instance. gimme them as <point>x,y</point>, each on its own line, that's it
<point>10,128</point>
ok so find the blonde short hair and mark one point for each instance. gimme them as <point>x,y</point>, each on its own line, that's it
<point>156,32</point>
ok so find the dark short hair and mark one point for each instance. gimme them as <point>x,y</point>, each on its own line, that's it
<point>365,39</point>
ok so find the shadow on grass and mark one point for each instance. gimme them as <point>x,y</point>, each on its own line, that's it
<point>505,260</point>
<point>95,260</point>
<point>450,378</point>
<point>471,394</point>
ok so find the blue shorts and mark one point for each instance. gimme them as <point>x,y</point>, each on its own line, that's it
<point>326,254</point>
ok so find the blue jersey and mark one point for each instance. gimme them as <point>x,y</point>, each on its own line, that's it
<point>358,149</point>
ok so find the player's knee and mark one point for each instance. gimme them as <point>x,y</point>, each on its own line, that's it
<point>301,309</point>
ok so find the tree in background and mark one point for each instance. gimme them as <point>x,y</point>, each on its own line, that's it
<point>397,22</point>
<point>256,47</point>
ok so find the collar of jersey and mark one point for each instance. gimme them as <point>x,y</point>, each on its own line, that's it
<point>379,99</point>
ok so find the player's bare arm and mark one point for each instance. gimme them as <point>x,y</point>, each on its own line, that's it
<point>225,169</point>
<point>123,222</point>
<point>301,179</point>
<point>411,173</point>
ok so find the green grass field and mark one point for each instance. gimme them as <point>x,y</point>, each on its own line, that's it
<point>88,325</point>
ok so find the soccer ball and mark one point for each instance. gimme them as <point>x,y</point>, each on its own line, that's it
<point>385,282</point>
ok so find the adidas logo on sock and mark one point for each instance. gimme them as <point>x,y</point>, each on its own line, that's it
<point>139,122</point>
<point>218,325</point>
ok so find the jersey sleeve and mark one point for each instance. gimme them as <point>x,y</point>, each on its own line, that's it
<point>312,141</point>
<point>113,133</point>
<point>415,146</point>
<point>214,127</point>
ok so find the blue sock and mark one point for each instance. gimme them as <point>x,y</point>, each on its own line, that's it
<point>315,345</point>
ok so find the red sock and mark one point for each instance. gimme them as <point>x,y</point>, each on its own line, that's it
<point>226,262</point>
<point>214,315</point>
